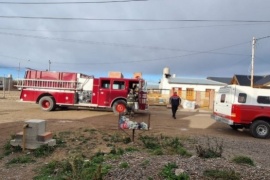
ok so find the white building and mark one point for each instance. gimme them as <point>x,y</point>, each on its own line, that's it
<point>191,89</point>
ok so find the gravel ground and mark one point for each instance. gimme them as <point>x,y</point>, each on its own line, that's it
<point>196,127</point>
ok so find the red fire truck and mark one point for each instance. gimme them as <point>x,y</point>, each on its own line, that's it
<point>64,89</point>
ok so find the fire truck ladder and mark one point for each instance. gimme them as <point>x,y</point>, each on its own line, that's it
<point>46,84</point>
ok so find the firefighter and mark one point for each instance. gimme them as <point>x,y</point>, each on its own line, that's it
<point>136,91</point>
<point>131,97</point>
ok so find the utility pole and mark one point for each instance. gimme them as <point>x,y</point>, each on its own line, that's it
<point>49,65</point>
<point>19,69</point>
<point>252,61</point>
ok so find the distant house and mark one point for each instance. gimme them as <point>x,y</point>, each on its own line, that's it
<point>199,90</point>
<point>187,87</point>
<point>258,81</point>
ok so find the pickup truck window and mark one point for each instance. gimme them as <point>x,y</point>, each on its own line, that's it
<point>263,99</point>
<point>222,99</point>
<point>242,97</point>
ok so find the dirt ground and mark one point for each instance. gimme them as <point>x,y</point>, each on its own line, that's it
<point>188,123</point>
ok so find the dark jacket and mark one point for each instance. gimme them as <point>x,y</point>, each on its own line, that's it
<point>175,100</point>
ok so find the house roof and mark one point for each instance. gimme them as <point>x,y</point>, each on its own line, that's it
<point>176,80</point>
<point>265,80</point>
<point>244,80</point>
<point>225,80</point>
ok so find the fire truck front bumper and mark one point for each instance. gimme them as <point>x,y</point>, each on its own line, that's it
<point>222,119</point>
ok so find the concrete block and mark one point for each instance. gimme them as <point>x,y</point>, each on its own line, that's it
<point>45,136</point>
<point>35,135</point>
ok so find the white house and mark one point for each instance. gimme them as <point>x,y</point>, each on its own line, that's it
<point>191,89</point>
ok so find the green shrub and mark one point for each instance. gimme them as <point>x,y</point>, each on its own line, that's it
<point>168,173</point>
<point>211,150</point>
<point>160,145</point>
<point>243,160</point>
<point>145,163</point>
<point>150,142</point>
<point>21,160</point>
<point>124,165</point>
<point>75,167</point>
<point>222,174</point>
<point>43,150</point>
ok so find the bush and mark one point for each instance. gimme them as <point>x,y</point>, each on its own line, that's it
<point>168,172</point>
<point>211,150</point>
<point>243,160</point>
<point>222,174</point>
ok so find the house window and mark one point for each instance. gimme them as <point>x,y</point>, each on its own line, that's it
<point>263,99</point>
<point>242,97</point>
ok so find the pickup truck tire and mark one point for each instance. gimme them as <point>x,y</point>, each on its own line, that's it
<point>260,129</point>
<point>119,106</point>
<point>47,103</point>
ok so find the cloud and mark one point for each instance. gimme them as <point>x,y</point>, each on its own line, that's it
<point>189,48</point>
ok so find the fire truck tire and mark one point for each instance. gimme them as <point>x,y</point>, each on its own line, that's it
<point>260,129</point>
<point>119,106</point>
<point>47,103</point>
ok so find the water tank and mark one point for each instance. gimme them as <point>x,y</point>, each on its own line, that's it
<point>166,70</point>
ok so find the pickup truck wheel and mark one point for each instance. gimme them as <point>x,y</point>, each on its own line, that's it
<point>260,129</point>
<point>119,106</point>
<point>47,103</point>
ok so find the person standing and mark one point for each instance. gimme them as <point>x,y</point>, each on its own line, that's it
<point>175,101</point>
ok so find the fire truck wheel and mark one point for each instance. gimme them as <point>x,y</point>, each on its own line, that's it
<point>119,106</point>
<point>47,103</point>
<point>260,129</point>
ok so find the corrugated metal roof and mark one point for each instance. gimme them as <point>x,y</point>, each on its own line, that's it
<point>177,80</point>
<point>225,80</point>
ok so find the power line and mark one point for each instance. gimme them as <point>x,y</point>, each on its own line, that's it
<point>156,59</point>
<point>137,20</point>
<point>116,30</point>
<point>81,2</point>
<point>119,44</point>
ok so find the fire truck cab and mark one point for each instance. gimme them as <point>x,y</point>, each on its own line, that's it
<point>244,107</point>
<point>63,89</point>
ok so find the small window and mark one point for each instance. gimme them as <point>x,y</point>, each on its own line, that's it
<point>263,99</point>
<point>118,85</point>
<point>242,97</point>
<point>222,99</point>
<point>105,84</point>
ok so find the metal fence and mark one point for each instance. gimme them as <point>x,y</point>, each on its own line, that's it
<point>7,88</point>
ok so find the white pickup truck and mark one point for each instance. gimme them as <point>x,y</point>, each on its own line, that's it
<point>244,107</point>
